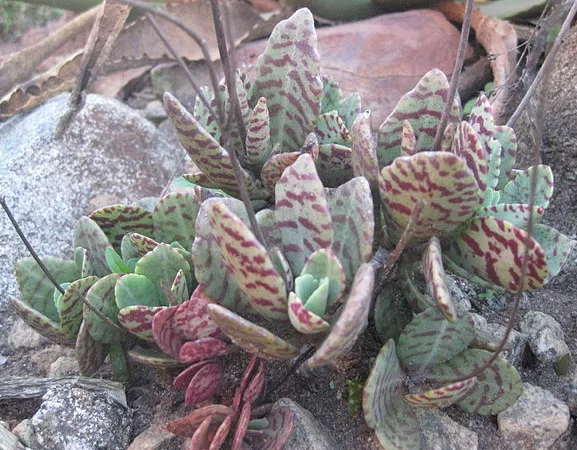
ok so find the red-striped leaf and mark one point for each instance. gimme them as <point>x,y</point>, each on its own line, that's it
<point>443,396</point>
<point>435,277</point>
<point>304,320</point>
<point>203,385</point>
<point>364,156</point>
<point>138,320</point>
<point>468,145</point>
<point>274,167</point>
<point>186,426</point>
<point>191,319</point>
<point>205,348</point>
<point>258,134</point>
<point>119,220</point>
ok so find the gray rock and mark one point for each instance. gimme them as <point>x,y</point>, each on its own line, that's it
<point>25,433</point>
<point>460,297</point>
<point>535,421</point>
<point>153,438</point>
<point>49,355</point>
<point>22,336</point>
<point>108,149</point>
<point>546,337</point>
<point>64,365</point>
<point>155,111</point>
<point>308,433</point>
<point>71,418</point>
<point>443,433</point>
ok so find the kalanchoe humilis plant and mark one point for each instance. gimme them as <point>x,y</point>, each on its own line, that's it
<point>475,203</point>
<point>287,101</point>
<point>243,423</point>
<point>320,244</point>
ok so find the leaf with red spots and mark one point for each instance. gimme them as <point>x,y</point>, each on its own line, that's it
<point>142,244</point>
<point>519,189</point>
<point>556,246</point>
<point>213,160</point>
<point>409,140</point>
<point>274,167</point>
<point>70,305</point>
<point>385,411</point>
<point>205,348</point>
<point>302,319</point>
<point>330,128</point>
<point>435,277</point>
<point>118,220</point>
<point>431,339</point>
<point>258,134</point>
<point>138,320</point>
<point>288,76</point>
<point>334,164</point>
<point>422,107</point>
<point>350,108</point>
<point>442,180</point>
<point>351,322</point>
<point>468,146</point>
<point>517,214</point>
<point>191,319</point>
<point>331,95</point>
<point>203,115</point>
<point>493,249</point>
<point>470,277</point>
<point>248,263</point>
<point>174,218</point>
<point>203,384</point>
<point>448,137</point>
<point>179,289</point>
<point>497,387</point>
<point>443,396</point>
<point>250,337</point>
<point>88,235</point>
<point>101,297</point>
<point>186,426</point>
<point>302,213</point>
<point>494,161</point>
<point>481,120</point>
<point>364,156</point>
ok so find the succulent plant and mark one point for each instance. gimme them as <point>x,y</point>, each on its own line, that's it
<point>210,425</point>
<point>320,244</point>
<point>287,101</point>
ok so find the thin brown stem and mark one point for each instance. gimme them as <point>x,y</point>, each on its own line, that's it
<point>465,29</point>
<point>546,67</point>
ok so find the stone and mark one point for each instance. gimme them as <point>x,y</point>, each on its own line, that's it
<point>65,365</point>
<point>49,355</point>
<point>25,433</point>
<point>308,433</point>
<point>155,111</point>
<point>153,438</point>
<point>107,149</point>
<point>72,418</point>
<point>545,336</point>
<point>22,336</point>
<point>100,201</point>
<point>535,421</point>
<point>460,298</point>
<point>443,433</point>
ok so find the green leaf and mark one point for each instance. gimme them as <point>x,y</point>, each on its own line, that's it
<point>142,244</point>
<point>330,128</point>
<point>179,289</point>
<point>493,250</point>
<point>133,289</point>
<point>517,214</point>
<point>174,218</point>
<point>431,339</point>
<point>510,9</point>
<point>519,189</point>
<point>324,264</point>
<point>443,396</point>
<point>350,108</point>
<point>494,149</point>
<point>304,319</point>
<point>36,290</point>
<point>497,388</point>
<point>331,100</point>
<point>435,277</point>
<point>556,246</point>
<point>400,430</point>
<point>248,263</point>
<point>115,262</point>
<point>250,337</point>
<point>88,235</point>
<point>481,120</point>
<point>506,137</point>
<point>70,305</point>
<point>301,213</point>
<point>334,165</point>
<point>442,180</point>
<point>288,76</point>
<point>258,134</point>
<point>392,313</point>
<point>101,297</point>
<point>116,221</point>
<point>203,115</point>
<point>422,107</point>
<point>316,301</point>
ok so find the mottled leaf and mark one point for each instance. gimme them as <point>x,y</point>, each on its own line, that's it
<point>138,320</point>
<point>519,189</point>
<point>495,149</point>
<point>400,429</point>
<point>241,427</point>
<point>174,218</point>
<point>288,76</point>
<point>517,214</point>
<point>191,319</point>
<point>250,337</point>
<point>199,439</point>
<point>351,322</point>
<point>248,263</point>
<point>280,427</point>
<point>90,354</point>
<point>87,234</point>
<point>186,426</point>
<point>200,179</point>
<point>153,357</point>
<point>205,348</point>
<point>431,339</point>
<point>82,262</point>
<point>179,289</point>
<point>422,107</point>
<point>167,339</point>
<point>204,384</point>
<point>254,365</point>
<point>183,378</point>
<point>70,305</point>
<point>448,136</point>
<point>408,139</point>
<point>493,250</point>
<point>481,119</point>
<point>302,213</point>
<point>442,180</point>
<point>364,156</point>
<point>203,115</point>
<point>506,137</point>
<point>118,220</point>
<point>392,313</point>
<point>468,146</point>
<point>331,100</point>
<point>101,297</point>
<point>556,246</point>
<point>351,209</point>
<point>435,277</point>
<point>221,433</point>
<point>255,386</point>
<point>304,320</point>
<point>469,276</point>
<point>443,396</point>
<point>258,134</point>
<point>274,167</point>
<point>142,244</point>
<point>334,164</point>
<point>350,108</point>
<point>330,128</point>
<point>36,290</point>
<point>497,388</point>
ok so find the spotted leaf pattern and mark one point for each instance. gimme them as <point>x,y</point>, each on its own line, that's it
<point>88,235</point>
<point>174,218</point>
<point>274,167</point>
<point>408,140</point>
<point>302,213</point>
<point>191,319</point>
<point>517,214</point>
<point>556,246</point>
<point>435,277</point>
<point>288,76</point>
<point>443,396</point>
<point>519,189</point>
<point>468,146</point>
<point>506,136</point>
<point>330,128</point>
<point>118,220</point>
<point>142,244</point>
<point>205,348</point>
<point>258,134</point>
<point>493,250</point>
<point>138,320</point>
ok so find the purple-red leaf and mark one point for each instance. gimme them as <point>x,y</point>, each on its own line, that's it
<point>191,319</point>
<point>183,378</point>
<point>205,348</point>
<point>186,426</point>
<point>138,320</point>
<point>204,384</point>
<point>241,427</point>
<point>167,339</point>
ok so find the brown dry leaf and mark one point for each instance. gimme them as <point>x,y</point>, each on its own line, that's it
<point>499,40</point>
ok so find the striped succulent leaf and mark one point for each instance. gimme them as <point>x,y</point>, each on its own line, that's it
<point>408,139</point>
<point>258,144</point>
<point>431,339</point>
<point>516,213</point>
<point>493,250</point>
<point>441,179</point>
<point>303,319</point>
<point>165,336</point>
<point>352,321</point>
<point>191,319</point>
<point>142,244</point>
<point>435,277</point>
<point>280,423</point>
<point>204,348</point>
<point>118,220</point>
<point>153,357</point>
<point>138,320</point>
<point>364,156</point>
<point>556,246</point>
<point>330,128</point>
<point>179,289</point>
<point>248,263</point>
<point>392,313</point>
<point>186,426</point>
<point>302,213</point>
<point>274,167</point>
<point>482,121</point>
<point>468,145</point>
<point>448,137</point>
<point>203,384</point>
<point>334,164</point>
<point>519,189</point>
<point>101,297</point>
<point>350,108</point>
<point>494,149</point>
<point>422,107</point>
<point>497,387</point>
<point>400,430</point>
<point>332,94</point>
<point>70,305</point>
<point>443,396</point>
<point>88,235</point>
<point>250,337</point>
<point>203,115</point>
<point>288,76</point>
<point>174,218</point>
<point>200,179</point>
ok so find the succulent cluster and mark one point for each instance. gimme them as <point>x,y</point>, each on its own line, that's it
<point>185,276</point>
